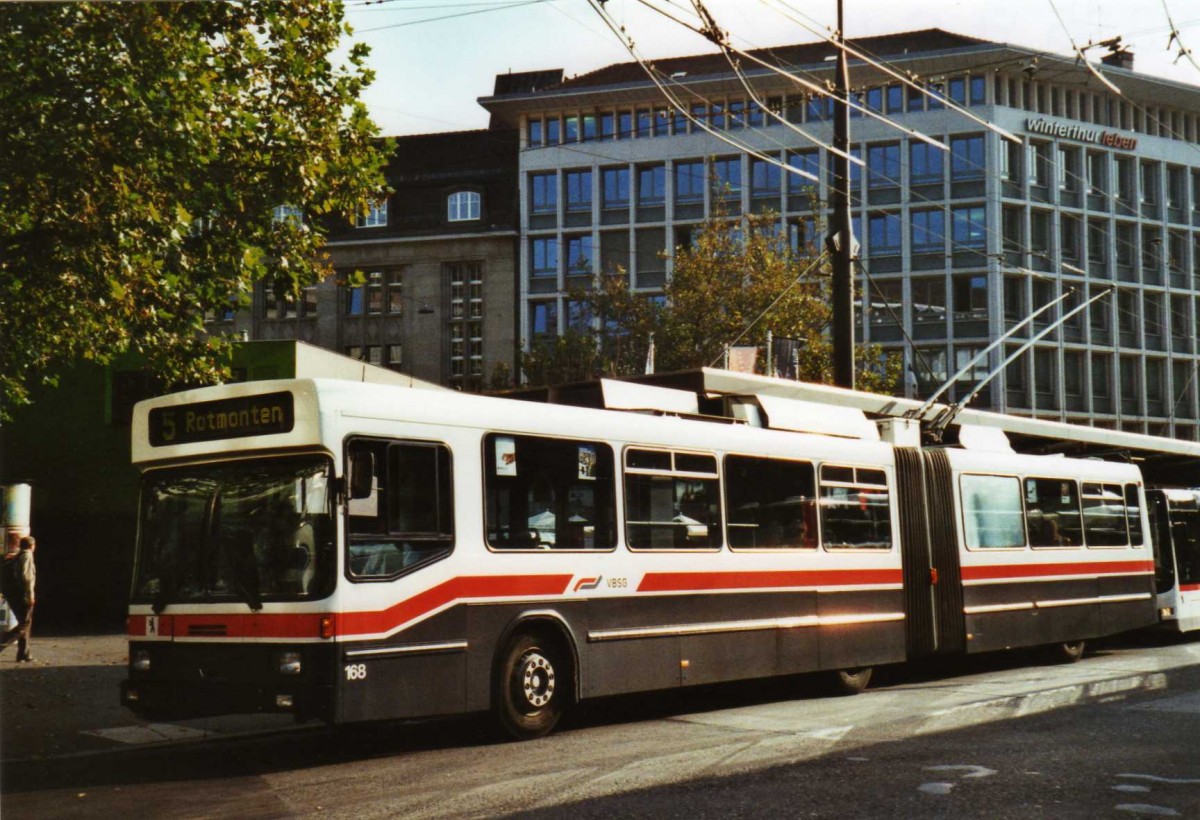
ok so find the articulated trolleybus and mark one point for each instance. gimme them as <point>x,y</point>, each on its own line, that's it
<point>348,551</point>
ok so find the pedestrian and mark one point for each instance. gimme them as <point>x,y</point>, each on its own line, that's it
<point>19,577</point>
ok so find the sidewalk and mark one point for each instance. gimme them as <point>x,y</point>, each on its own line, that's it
<point>67,703</point>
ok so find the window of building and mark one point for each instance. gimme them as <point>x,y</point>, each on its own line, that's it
<point>543,253</point>
<point>1068,229</point>
<point>553,130</point>
<point>579,190</point>
<point>1010,160</point>
<point>1097,177</point>
<point>579,254</point>
<point>764,178</point>
<point>393,282</point>
<point>1149,183</point>
<point>884,236</point>
<point>928,300</point>
<point>925,163</point>
<point>771,503</point>
<point>970,296</point>
<point>546,493</point>
<point>689,182</point>
<point>288,214</point>
<point>855,508</point>
<point>662,121</point>
<point>543,320</point>
<point>1125,187</point>
<point>809,162</point>
<point>607,126</point>
<point>652,185</point>
<point>614,183</point>
<point>727,177</point>
<point>375,217</point>
<point>928,231</point>
<point>645,123</point>
<point>624,124</point>
<point>589,127</point>
<point>978,90</point>
<point>466,323</point>
<point>968,226</point>
<point>883,165</point>
<point>543,190</point>
<point>1068,168</point>
<point>463,206</point>
<point>1039,233</point>
<point>309,297</point>
<point>966,157</point>
<point>407,520</point>
<point>958,90</point>
<point>672,500</point>
<point>571,129</point>
<point>534,133</point>
<point>895,99</point>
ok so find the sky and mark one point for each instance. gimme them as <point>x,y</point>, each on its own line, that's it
<point>434,58</point>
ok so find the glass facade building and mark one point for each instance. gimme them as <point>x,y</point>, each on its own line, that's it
<point>960,240</point>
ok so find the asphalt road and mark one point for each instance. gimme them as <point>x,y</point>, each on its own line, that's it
<point>1116,735</point>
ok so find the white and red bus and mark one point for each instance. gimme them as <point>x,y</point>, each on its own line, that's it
<point>1175,525</point>
<point>350,551</point>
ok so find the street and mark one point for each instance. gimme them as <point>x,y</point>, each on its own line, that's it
<point>995,736</point>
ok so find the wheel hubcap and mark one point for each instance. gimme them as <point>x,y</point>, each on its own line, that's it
<point>537,680</point>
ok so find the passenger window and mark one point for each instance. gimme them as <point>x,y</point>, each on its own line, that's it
<point>770,503</point>
<point>672,500</point>
<point>546,493</point>
<point>992,516</point>
<point>1133,512</point>
<point>1104,516</point>
<point>1052,512</point>
<point>408,517</point>
<point>855,508</point>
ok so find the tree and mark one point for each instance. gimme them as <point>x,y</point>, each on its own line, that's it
<point>144,148</point>
<point>738,282</point>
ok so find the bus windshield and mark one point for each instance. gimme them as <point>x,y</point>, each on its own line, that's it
<point>255,530</point>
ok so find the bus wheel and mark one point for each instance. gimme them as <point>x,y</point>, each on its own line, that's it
<point>1066,652</point>
<point>851,681</point>
<point>530,688</point>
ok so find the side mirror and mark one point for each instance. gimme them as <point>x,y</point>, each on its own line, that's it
<point>362,475</point>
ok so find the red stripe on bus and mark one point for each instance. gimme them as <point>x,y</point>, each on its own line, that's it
<point>1189,587</point>
<point>470,586</point>
<point>308,624</point>
<point>997,571</point>
<point>699,581</point>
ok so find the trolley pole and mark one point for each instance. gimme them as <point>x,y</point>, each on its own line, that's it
<point>841,239</point>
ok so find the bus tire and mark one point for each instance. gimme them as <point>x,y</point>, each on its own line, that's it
<point>531,687</point>
<point>851,681</point>
<point>1067,651</point>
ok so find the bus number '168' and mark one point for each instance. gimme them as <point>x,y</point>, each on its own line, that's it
<point>356,671</point>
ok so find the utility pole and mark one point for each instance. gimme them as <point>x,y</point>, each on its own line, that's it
<point>840,238</point>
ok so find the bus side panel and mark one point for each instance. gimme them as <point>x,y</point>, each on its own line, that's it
<point>848,645</point>
<point>405,675</point>
<point>1041,613</point>
<point>1123,616</point>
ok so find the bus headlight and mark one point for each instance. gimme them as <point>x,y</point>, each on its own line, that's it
<point>141,661</point>
<point>289,663</point>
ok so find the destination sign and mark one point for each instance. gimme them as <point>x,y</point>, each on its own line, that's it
<point>264,415</point>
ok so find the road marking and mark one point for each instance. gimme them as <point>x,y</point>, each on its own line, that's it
<point>1146,808</point>
<point>935,788</point>
<point>1174,781</point>
<point>969,771</point>
<point>150,733</point>
<point>1131,789</point>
